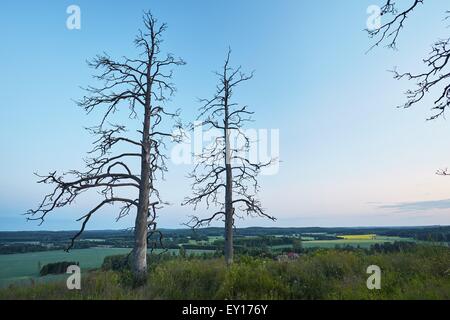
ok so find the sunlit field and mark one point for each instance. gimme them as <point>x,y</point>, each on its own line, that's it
<point>359,237</point>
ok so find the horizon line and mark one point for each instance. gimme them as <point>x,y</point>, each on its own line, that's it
<point>243,228</point>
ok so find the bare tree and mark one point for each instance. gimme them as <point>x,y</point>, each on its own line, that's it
<point>143,85</point>
<point>224,177</point>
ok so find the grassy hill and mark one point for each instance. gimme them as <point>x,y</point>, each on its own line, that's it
<point>423,272</point>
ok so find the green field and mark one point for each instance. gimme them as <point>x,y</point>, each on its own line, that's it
<point>366,244</point>
<point>211,239</point>
<point>358,237</point>
<point>23,267</point>
<point>331,244</point>
<point>417,273</point>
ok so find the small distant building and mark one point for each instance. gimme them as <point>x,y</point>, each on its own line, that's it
<point>288,257</point>
<point>293,256</point>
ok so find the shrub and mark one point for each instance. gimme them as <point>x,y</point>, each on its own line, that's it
<point>118,262</point>
<point>186,279</point>
<point>56,268</point>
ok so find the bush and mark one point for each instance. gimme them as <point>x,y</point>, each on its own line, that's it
<point>56,268</point>
<point>118,262</point>
<point>122,262</point>
<point>181,279</point>
<point>252,279</point>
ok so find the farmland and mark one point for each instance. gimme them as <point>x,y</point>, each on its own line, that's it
<point>418,272</point>
<point>366,244</point>
<point>357,241</point>
<point>358,237</point>
<point>20,262</point>
<point>23,267</point>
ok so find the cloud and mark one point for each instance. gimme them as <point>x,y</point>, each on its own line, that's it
<point>418,205</point>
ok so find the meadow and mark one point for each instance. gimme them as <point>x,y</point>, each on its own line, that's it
<point>355,241</point>
<point>359,241</point>
<point>422,272</point>
<point>358,237</point>
<point>24,267</point>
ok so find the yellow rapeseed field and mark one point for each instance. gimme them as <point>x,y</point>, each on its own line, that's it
<point>359,237</point>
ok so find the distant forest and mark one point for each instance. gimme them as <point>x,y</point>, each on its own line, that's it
<point>33,241</point>
<point>426,233</point>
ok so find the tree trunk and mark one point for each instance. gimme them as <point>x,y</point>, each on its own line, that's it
<point>140,232</point>
<point>229,210</point>
<point>141,225</point>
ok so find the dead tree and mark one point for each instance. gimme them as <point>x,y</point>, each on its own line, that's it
<point>143,85</point>
<point>223,176</point>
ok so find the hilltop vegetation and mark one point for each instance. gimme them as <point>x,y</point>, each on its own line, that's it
<point>258,243</point>
<point>417,272</point>
<point>56,268</point>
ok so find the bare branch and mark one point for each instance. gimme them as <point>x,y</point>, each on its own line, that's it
<point>390,30</point>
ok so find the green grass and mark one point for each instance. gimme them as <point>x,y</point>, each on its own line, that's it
<point>420,273</point>
<point>24,267</point>
<point>281,246</point>
<point>211,239</point>
<point>395,238</point>
<point>333,243</point>
<point>358,237</point>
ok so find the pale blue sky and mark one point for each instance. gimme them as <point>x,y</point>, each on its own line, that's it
<point>350,158</point>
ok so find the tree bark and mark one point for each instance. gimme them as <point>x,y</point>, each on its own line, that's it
<point>229,220</point>
<point>141,225</point>
<point>229,210</point>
